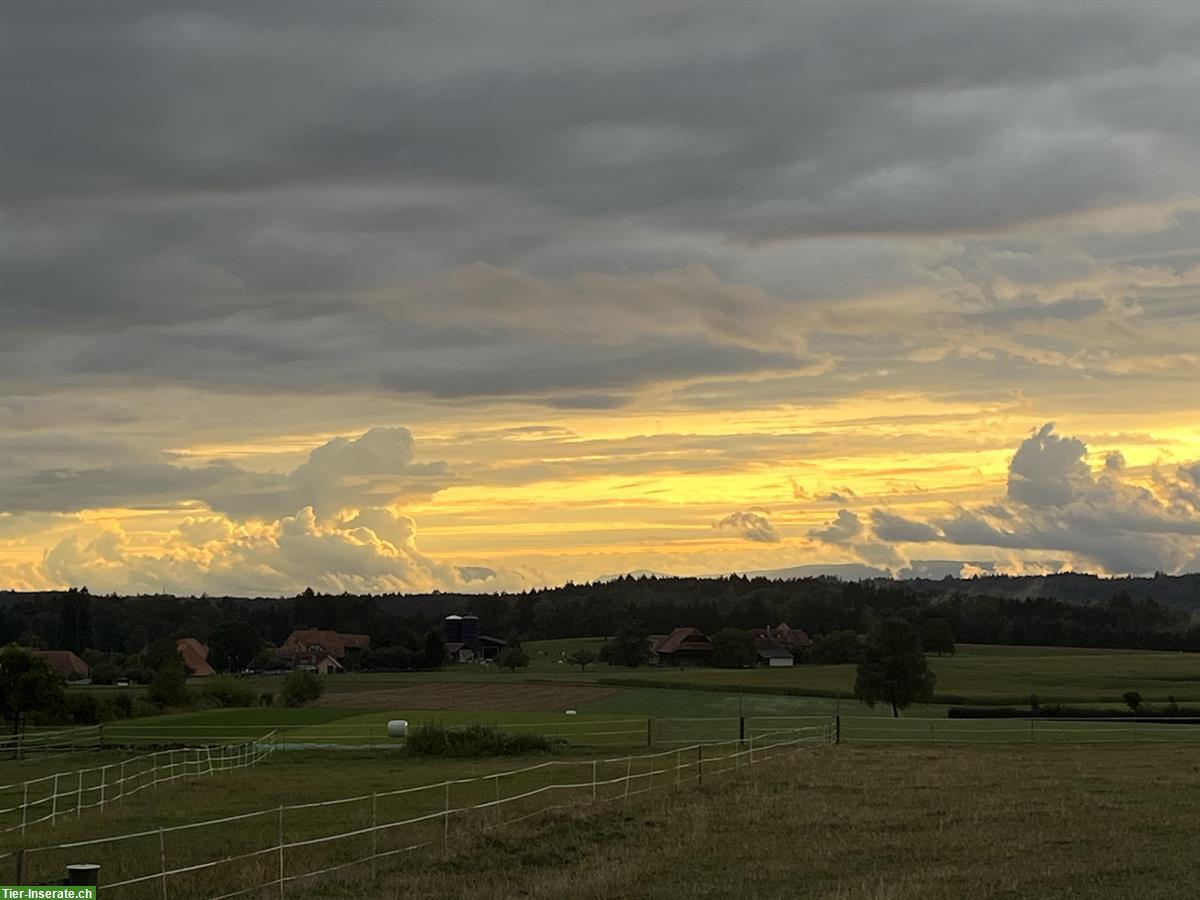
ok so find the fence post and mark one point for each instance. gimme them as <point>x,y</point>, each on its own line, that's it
<point>837,728</point>
<point>446,822</point>
<point>24,809</point>
<point>79,795</point>
<point>741,728</point>
<point>162,857</point>
<point>594,762</point>
<point>20,863</point>
<point>121,792</point>
<point>281,851</point>
<point>1031,731</point>
<point>374,836</point>
<point>678,766</point>
<point>499,814</point>
<point>628,772</point>
<point>700,764</point>
<point>54,803</point>
<point>649,735</point>
<point>103,780</point>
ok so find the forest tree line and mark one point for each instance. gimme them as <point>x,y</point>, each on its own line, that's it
<point>238,630</point>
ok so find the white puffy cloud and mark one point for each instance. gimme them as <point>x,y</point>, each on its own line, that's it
<point>750,525</point>
<point>1055,502</point>
<point>375,551</point>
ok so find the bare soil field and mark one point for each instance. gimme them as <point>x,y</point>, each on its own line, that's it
<point>446,695</point>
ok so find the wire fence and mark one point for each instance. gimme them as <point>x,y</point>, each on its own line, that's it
<point>69,794</point>
<point>271,850</point>
<point>47,741</point>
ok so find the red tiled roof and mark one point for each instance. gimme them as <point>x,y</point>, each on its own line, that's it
<point>195,657</point>
<point>684,638</point>
<point>63,662</point>
<point>334,643</point>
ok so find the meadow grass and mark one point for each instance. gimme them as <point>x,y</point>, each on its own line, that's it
<point>877,823</point>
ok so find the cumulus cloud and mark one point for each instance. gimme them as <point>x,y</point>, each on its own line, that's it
<point>889,526</point>
<point>374,469</point>
<point>750,525</point>
<point>1055,502</point>
<point>215,554</point>
<point>843,529</point>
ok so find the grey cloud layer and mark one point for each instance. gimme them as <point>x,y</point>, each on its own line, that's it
<point>265,199</point>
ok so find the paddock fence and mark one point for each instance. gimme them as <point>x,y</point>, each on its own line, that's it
<point>29,803</point>
<point>268,852</point>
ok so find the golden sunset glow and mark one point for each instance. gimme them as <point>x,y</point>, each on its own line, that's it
<point>498,307</point>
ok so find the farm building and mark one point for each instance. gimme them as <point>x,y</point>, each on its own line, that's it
<point>64,663</point>
<point>309,647</point>
<point>782,636</point>
<point>774,656</point>
<point>464,643</point>
<point>195,657</point>
<point>779,645</point>
<point>684,646</point>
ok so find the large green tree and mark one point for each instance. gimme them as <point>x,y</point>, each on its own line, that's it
<point>893,668</point>
<point>733,648</point>
<point>629,647</point>
<point>26,683</point>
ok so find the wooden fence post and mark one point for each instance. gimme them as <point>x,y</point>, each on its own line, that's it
<point>281,851</point>
<point>700,764</point>
<point>162,858</point>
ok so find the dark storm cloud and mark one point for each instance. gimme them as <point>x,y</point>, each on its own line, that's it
<point>212,193</point>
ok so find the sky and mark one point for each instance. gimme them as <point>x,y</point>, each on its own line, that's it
<point>497,294</point>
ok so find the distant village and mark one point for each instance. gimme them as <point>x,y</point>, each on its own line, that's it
<point>328,652</point>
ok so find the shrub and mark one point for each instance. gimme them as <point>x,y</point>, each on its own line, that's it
<point>169,685</point>
<point>266,698</point>
<point>474,740</point>
<point>224,691</point>
<point>82,709</point>
<point>300,688</point>
<point>1132,699</point>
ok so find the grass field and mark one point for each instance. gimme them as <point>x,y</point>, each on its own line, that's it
<point>841,822</point>
<point>983,674</point>
<point>857,824</point>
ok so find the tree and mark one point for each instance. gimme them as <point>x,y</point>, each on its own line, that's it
<point>300,687</point>
<point>582,658</point>
<point>1132,699</point>
<point>233,646</point>
<point>513,640</point>
<point>937,636</point>
<point>26,683</point>
<point>733,648</point>
<point>893,668</point>
<point>512,658</point>
<point>168,687</point>
<point>836,648</point>
<point>630,647</point>
<point>435,650</point>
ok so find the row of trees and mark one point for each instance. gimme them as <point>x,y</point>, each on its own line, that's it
<point>118,629</point>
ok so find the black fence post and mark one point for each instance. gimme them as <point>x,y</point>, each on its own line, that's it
<point>837,729</point>
<point>649,735</point>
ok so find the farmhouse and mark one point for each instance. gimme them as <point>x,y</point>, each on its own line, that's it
<point>684,646</point>
<point>64,663</point>
<point>321,650</point>
<point>195,657</point>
